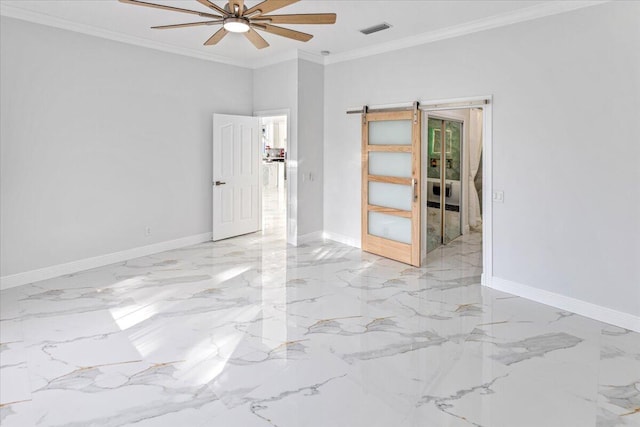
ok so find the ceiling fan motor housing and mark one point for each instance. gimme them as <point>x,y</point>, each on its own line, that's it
<point>227,7</point>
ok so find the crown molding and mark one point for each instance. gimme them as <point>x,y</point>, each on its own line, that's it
<point>311,57</point>
<point>509,18</point>
<point>522,15</point>
<point>274,59</point>
<point>41,18</point>
<point>287,56</point>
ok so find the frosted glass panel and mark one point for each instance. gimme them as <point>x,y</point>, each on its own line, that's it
<point>390,132</point>
<point>390,227</point>
<point>390,195</point>
<point>390,164</point>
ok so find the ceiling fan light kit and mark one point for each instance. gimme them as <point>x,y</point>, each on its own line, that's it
<point>236,25</point>
<point>236,18</point>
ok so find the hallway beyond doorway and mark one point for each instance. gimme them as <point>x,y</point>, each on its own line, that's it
<point>274,154</point>
<point>274,211</point>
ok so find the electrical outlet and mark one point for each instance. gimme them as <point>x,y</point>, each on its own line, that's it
<point>147,231</point>
<point>498,196</point>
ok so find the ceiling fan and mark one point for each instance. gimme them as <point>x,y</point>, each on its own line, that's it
<point>235,17</point>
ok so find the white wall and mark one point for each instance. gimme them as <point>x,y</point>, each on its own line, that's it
<point>276,131</point>
<point>100,140</point>
<point>566,102</point>
<point>310,147</point>
<point>275,88</point>
<point>298,86</point>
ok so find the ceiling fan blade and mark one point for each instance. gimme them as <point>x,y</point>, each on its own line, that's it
<point>256,39</point>
<point>213,6</point>
<point>269,6</point>
<point>236,3</point>
<point>191,24</point>
<point>285,32</point>
<point>214,39</point>
<point>311,18</point>
<point>174,9</point>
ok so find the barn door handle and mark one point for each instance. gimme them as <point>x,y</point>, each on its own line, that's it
<point>219,183</point>
<point>414,187</point>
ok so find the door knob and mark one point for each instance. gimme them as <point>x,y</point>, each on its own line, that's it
<point>219,183</point>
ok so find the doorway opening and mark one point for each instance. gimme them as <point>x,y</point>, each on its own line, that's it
<point>274,179</point>
<point>453,145</point>
<point>400,134</point>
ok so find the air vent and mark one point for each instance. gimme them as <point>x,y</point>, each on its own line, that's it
<point>375,28</point>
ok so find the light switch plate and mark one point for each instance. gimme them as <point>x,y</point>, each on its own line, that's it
<point>498,196</point>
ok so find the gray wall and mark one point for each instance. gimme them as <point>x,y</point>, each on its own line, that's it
<point>310,146</point>
<point>565,138</point>
<point>275,87</point>
<point>100,140</point>
<point>298,86</point>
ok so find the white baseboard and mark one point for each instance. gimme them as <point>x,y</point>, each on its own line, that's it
<point>484,280</point>
<point>349,241</point>
<point>98,261</point>
<point>310,237</point>
<point>583,308</point>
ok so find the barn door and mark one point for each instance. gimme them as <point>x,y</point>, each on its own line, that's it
<point>391,184</point>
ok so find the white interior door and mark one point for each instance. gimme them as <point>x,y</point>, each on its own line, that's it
<point>236,176</point>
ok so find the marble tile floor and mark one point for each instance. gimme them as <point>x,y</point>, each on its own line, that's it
<point>452,229</point>
<point>252,332</point>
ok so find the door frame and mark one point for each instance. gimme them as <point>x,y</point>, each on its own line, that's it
<point>291,167</point>
<point>487,169</point>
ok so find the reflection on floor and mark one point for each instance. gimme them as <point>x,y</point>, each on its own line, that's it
<point>252,332</point>
<point>452,227</point>
<point>274,211</point>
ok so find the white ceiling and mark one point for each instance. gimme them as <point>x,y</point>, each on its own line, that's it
<point>409,19</point>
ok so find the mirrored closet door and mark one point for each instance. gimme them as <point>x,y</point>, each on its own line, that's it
<point>444,185</point>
